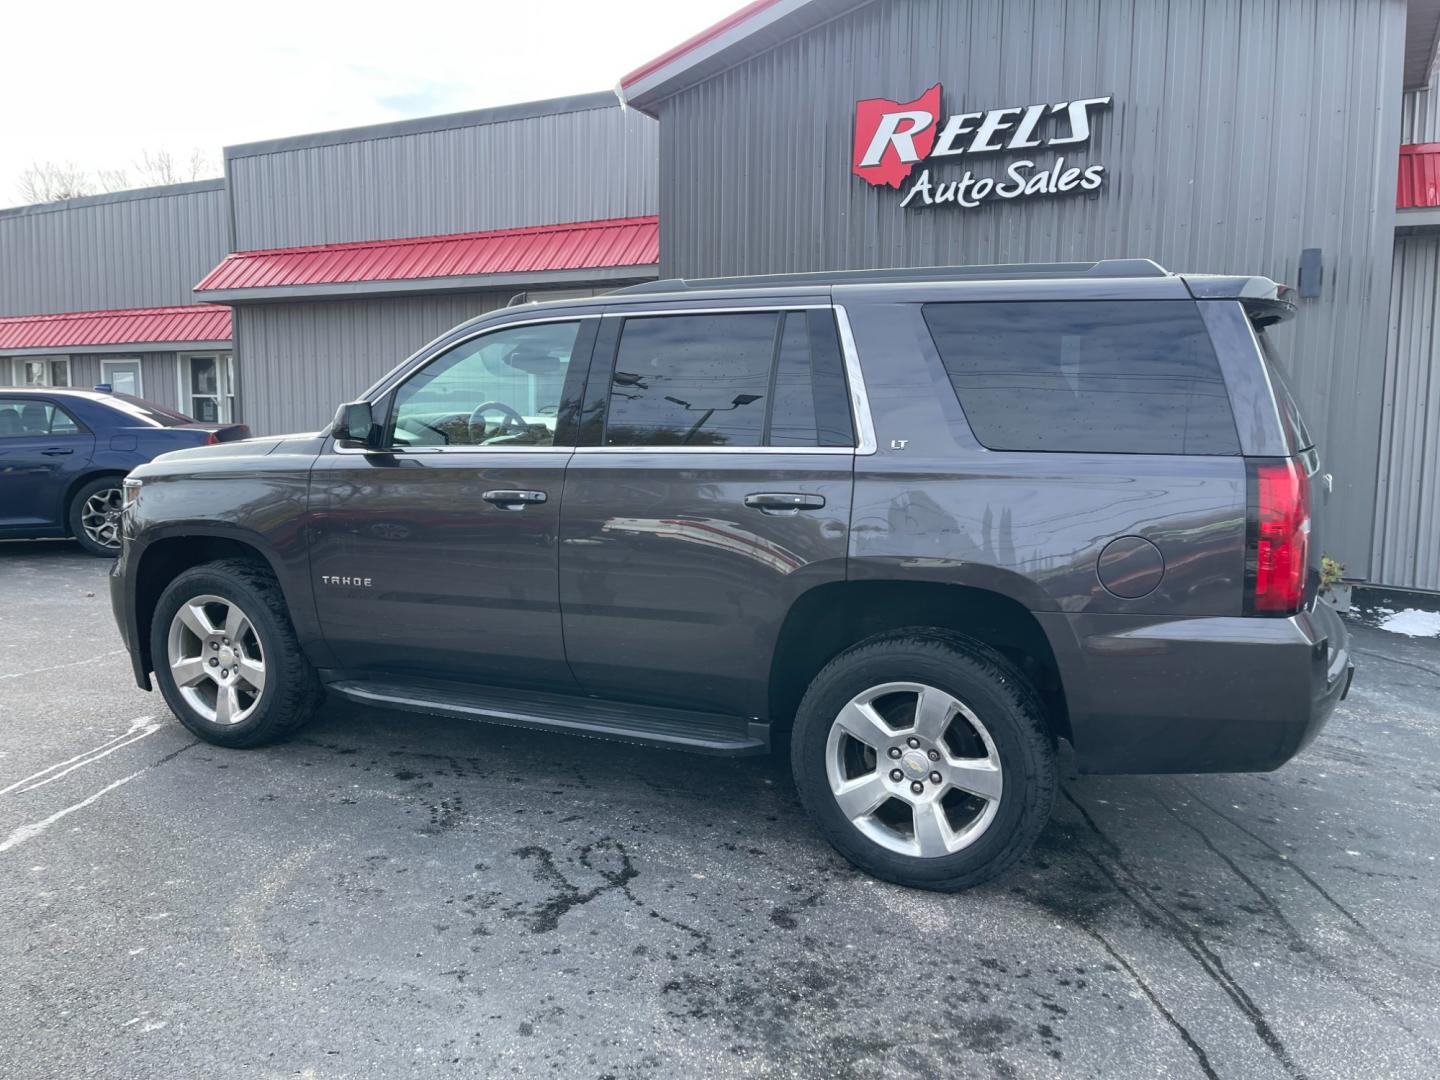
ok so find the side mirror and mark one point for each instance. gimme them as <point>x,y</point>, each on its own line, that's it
<point>355,423</point>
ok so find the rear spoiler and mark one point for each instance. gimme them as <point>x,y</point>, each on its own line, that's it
<point>1265,301</point>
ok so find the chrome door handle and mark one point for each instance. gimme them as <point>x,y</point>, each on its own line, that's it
<point>514,500</point>
<point>783,502</point>
<point>57,451</point>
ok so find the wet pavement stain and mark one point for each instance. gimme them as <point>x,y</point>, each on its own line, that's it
<point>440,913</point>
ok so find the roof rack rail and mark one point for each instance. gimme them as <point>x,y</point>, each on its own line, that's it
<point>1103,268</point>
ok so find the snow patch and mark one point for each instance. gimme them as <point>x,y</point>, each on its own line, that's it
<point>1412,623</point>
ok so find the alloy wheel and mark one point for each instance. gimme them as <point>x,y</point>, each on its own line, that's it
<point>100,517</point>
<point>914,769</point>
<point>216,659</point>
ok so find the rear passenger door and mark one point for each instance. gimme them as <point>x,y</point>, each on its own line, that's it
<point>710,489</point>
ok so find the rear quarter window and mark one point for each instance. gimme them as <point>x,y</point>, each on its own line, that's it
<point>1297,435</point>
<point>146,411</point>
<point>1112,377</point>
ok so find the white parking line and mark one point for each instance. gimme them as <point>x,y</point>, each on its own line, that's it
<point>57,667</point>
<point>149,730</point>
<point>29,832</point>
<point>110,745</point>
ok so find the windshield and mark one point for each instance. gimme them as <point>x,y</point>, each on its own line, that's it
<point>1296,433</point>
<point>147,411</point>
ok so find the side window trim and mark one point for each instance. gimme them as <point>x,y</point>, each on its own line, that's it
<point>383,400</point>
<point>572,394</point>
<point>781,323</point>
<point>602,367</point>
<point>860,415</point>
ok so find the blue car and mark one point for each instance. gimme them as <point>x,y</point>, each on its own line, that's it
<point>63,454</point>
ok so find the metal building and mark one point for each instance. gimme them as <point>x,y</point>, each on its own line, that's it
<point>1212,136</point>
<point>353,248</point>
<point>101,290</point>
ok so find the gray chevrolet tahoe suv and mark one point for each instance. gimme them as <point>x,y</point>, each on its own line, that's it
<point>924,524</point>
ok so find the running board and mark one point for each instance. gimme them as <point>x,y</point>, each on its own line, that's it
<point>649,725</point>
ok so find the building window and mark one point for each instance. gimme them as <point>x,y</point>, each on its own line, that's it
<point>123,376</point>
<point>44,371</point>
<point>207,387</point>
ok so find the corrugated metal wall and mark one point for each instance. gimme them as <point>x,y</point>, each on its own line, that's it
<point>158,378</point>
<point>1407,517</point>
<point>1242,132</point>
<point>544,170</point>
<point>1420,122</point>
<point>132,249</point>
<point>159,381</point>
<point>298,361</point>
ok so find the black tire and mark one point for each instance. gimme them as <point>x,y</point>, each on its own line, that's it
<point>1002,700</point>
<point>75,514</point>
<point>291,694</point>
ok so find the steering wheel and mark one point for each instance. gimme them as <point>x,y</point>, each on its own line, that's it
<point>511,422</point>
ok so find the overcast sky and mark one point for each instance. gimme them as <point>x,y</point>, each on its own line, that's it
<point>97,83</point>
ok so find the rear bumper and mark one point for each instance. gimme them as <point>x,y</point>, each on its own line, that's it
<point>1198,694</point>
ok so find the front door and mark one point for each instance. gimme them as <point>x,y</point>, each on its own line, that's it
<point>437,557</point>
<point>43,449</point>
<point>207,387</point>
<point>123,376</point>
<point>711,490</point>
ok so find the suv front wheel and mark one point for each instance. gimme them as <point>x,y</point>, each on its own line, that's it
<point>925,760</point>
<point>226,656</point>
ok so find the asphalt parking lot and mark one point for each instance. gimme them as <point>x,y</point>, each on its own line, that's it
<point>393,896</point>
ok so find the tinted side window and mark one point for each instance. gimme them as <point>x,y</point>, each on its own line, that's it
<point>1297,435</point>
<point>503,390</point>
<point>1123,377</point>
<point>692,380</point>
<point>21,417</point>
<point>62,423</point>
<point>734,379</point>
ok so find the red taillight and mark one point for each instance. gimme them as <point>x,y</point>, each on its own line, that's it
<point>1279,537</point>
<point>212,439</point>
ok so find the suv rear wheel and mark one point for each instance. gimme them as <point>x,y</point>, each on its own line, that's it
<point>924,758</point>
<point>226,656</point>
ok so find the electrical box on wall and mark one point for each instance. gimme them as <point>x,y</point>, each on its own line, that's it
<point>1312,274</point>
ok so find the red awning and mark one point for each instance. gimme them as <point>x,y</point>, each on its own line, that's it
<point>1419,176</point>
<point>584,245</point>
<point>131,326</point>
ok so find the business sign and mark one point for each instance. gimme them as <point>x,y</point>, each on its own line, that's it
<point>893,137</point>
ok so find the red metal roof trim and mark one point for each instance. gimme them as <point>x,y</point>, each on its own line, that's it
<point>582,245</point>
<point>131,326</point>
<point>708,34</point>
<point>1418,180</point>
